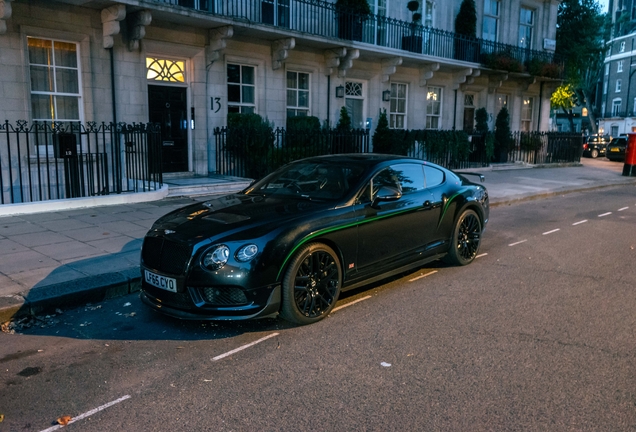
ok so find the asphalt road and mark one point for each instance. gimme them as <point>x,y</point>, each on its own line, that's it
<point>537,334</point>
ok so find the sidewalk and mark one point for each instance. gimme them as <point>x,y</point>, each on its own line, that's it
<point>64,258</point>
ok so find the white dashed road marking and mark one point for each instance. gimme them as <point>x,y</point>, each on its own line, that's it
<point>579,222</point>
<point>351,303</point>
<point>553,231</point>
<point>423,276</point>
<point>605,214</point>
<point>624,208</point>
<point>519,242</point>
<point>241,348</point>
<point>89,413</point>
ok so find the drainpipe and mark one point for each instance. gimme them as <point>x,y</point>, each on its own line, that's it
<point>112,84</point>
<point>455,114</point>
<point>328,93</point>
<point>540,103</point>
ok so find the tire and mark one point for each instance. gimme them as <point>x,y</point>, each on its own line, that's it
<point>465,240</point>
<point>311,285</point>
<point>594,154</point>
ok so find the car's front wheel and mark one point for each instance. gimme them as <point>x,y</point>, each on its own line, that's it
<point>466,239</point>
<point>311,285</point>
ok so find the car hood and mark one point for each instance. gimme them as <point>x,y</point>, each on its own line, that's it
<point>233,213</point>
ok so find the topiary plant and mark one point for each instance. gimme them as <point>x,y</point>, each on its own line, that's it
<point>502,135</point>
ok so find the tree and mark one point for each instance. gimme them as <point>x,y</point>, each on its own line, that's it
<point>580,33</point>
<point>466,19</point>
<point>564,98</point>
<point>382,137</point>
<point>502,135</point>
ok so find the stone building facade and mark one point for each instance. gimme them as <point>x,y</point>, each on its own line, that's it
<point>187,63</point>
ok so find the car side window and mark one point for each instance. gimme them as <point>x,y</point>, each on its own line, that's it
<point>434,176</point>
<point>406,178</point>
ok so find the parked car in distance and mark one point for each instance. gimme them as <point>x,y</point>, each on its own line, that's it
<point>595,146</point>
<point>616,149</point>
<point>292,241</point>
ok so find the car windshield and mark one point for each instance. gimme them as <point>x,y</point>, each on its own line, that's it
<point>321,180</point>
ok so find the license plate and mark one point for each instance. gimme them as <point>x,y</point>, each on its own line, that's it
<point>169,284</point>
<point>614,149</point>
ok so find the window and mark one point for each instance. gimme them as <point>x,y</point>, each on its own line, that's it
<point>241,89</point>
<point>622,47</point>
<point>55,87</point>
<point>526,23</point>
<point>616,108</point>
<point>469,112</point>
<point>605,87</point>
<point>619,66</point>
<point>297,94</point>
<point>526,114</point>
<point>491,20</point>
<point>165,70</point>
<point>397,110</point>
<point>607,67</point>
<point>428,14</point>
<point>407,178</point>
<point>619,84</point>
<point>378,7</point>
<point>501,100</point>
<point>434,176</point>
<point>354,102</point>
<point>634,109</point>
<point>614,130</point>
<point>433,107</point>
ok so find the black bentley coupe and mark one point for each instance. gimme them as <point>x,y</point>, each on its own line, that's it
<point>292,241</point>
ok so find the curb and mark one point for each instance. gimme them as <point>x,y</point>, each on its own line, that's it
<point>91,289</point>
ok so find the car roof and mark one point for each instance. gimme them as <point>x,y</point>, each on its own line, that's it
<point>366,159</point>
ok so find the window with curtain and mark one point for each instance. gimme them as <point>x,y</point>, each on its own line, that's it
<point>526,114</point>
<point>241,89</point>
<point>54,73</point>
<point>297,94</point>
<point>433,107</point>
<point>397,110</point>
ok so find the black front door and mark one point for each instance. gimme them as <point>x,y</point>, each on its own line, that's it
<point>168,107</point>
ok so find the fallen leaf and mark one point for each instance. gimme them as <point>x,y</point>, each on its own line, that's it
<point>385,364</point>
<point>1,417</point>
<point>207,380</point>
<point>64,420</point>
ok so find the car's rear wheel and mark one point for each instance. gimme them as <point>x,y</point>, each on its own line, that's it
<point>594,153</point>
<point>466,239</point>
<point>311,285</point>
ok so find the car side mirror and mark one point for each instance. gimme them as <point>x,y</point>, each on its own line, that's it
<point>387,193</point>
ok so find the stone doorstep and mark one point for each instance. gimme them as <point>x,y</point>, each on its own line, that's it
<point>65,295</point>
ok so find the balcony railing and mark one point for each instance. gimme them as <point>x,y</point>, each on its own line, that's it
<point>324,19</point>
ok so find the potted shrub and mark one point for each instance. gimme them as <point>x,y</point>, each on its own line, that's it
<point>351,16</point>
<point>382,135</point>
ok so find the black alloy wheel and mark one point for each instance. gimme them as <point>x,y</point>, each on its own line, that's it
<point>311,285</point>
<point>466,239</point>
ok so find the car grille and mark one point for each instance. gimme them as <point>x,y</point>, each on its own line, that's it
<point>178,300</point>
<point>224,296</point>
<point>165,256</point>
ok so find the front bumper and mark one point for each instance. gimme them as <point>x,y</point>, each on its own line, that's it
<point>190,306</point>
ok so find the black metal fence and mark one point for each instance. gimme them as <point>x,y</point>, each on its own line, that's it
<point>325,19</point>
<point>242,153</point>
<point>546,147</point>
<point>45,161</point>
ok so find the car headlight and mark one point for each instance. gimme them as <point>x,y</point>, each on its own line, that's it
<point>216,257</point>
<point>246,253</point>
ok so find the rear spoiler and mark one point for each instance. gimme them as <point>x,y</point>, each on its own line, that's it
<point>481,176</point>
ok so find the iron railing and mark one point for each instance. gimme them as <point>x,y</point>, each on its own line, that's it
<point>538,148</point>
<point>242,154</point>
<point>325,19</point>
<point>46,161</point>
